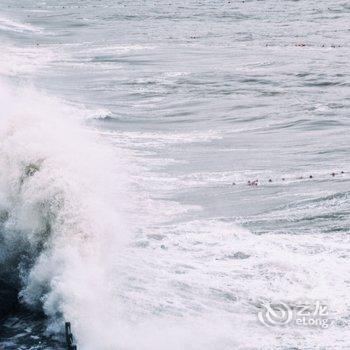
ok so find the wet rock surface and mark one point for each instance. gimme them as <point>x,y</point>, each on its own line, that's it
<point>8,297</point>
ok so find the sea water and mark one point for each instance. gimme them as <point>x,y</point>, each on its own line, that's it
<point>128,134</point>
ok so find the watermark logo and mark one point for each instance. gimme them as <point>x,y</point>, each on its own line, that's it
<point>277,314</point>
<point>305,314</point>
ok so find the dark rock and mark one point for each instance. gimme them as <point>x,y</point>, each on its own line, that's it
<point>8,297</point>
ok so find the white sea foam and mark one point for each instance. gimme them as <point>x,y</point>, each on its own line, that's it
<point>62,195</point>
<point>181,286</point>
<point>23,60</point>
<point>9,24</point>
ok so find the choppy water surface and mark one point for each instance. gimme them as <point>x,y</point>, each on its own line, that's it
<point>129,131</point>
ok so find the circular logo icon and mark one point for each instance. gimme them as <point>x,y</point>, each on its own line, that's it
<point>278,314</point>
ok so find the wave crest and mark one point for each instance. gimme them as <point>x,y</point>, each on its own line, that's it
<point>61,191</point>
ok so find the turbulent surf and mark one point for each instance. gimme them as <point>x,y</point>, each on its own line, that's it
<point>174,175</point>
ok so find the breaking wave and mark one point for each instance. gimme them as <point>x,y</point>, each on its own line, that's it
<point>10,25</point>
<point>61,205</point>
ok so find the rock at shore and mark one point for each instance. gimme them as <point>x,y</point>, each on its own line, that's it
<point>8,297</point>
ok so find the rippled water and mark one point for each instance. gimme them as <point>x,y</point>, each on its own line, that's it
<point>194,99</point>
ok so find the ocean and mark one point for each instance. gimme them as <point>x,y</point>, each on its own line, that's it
<point>169,168</point>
